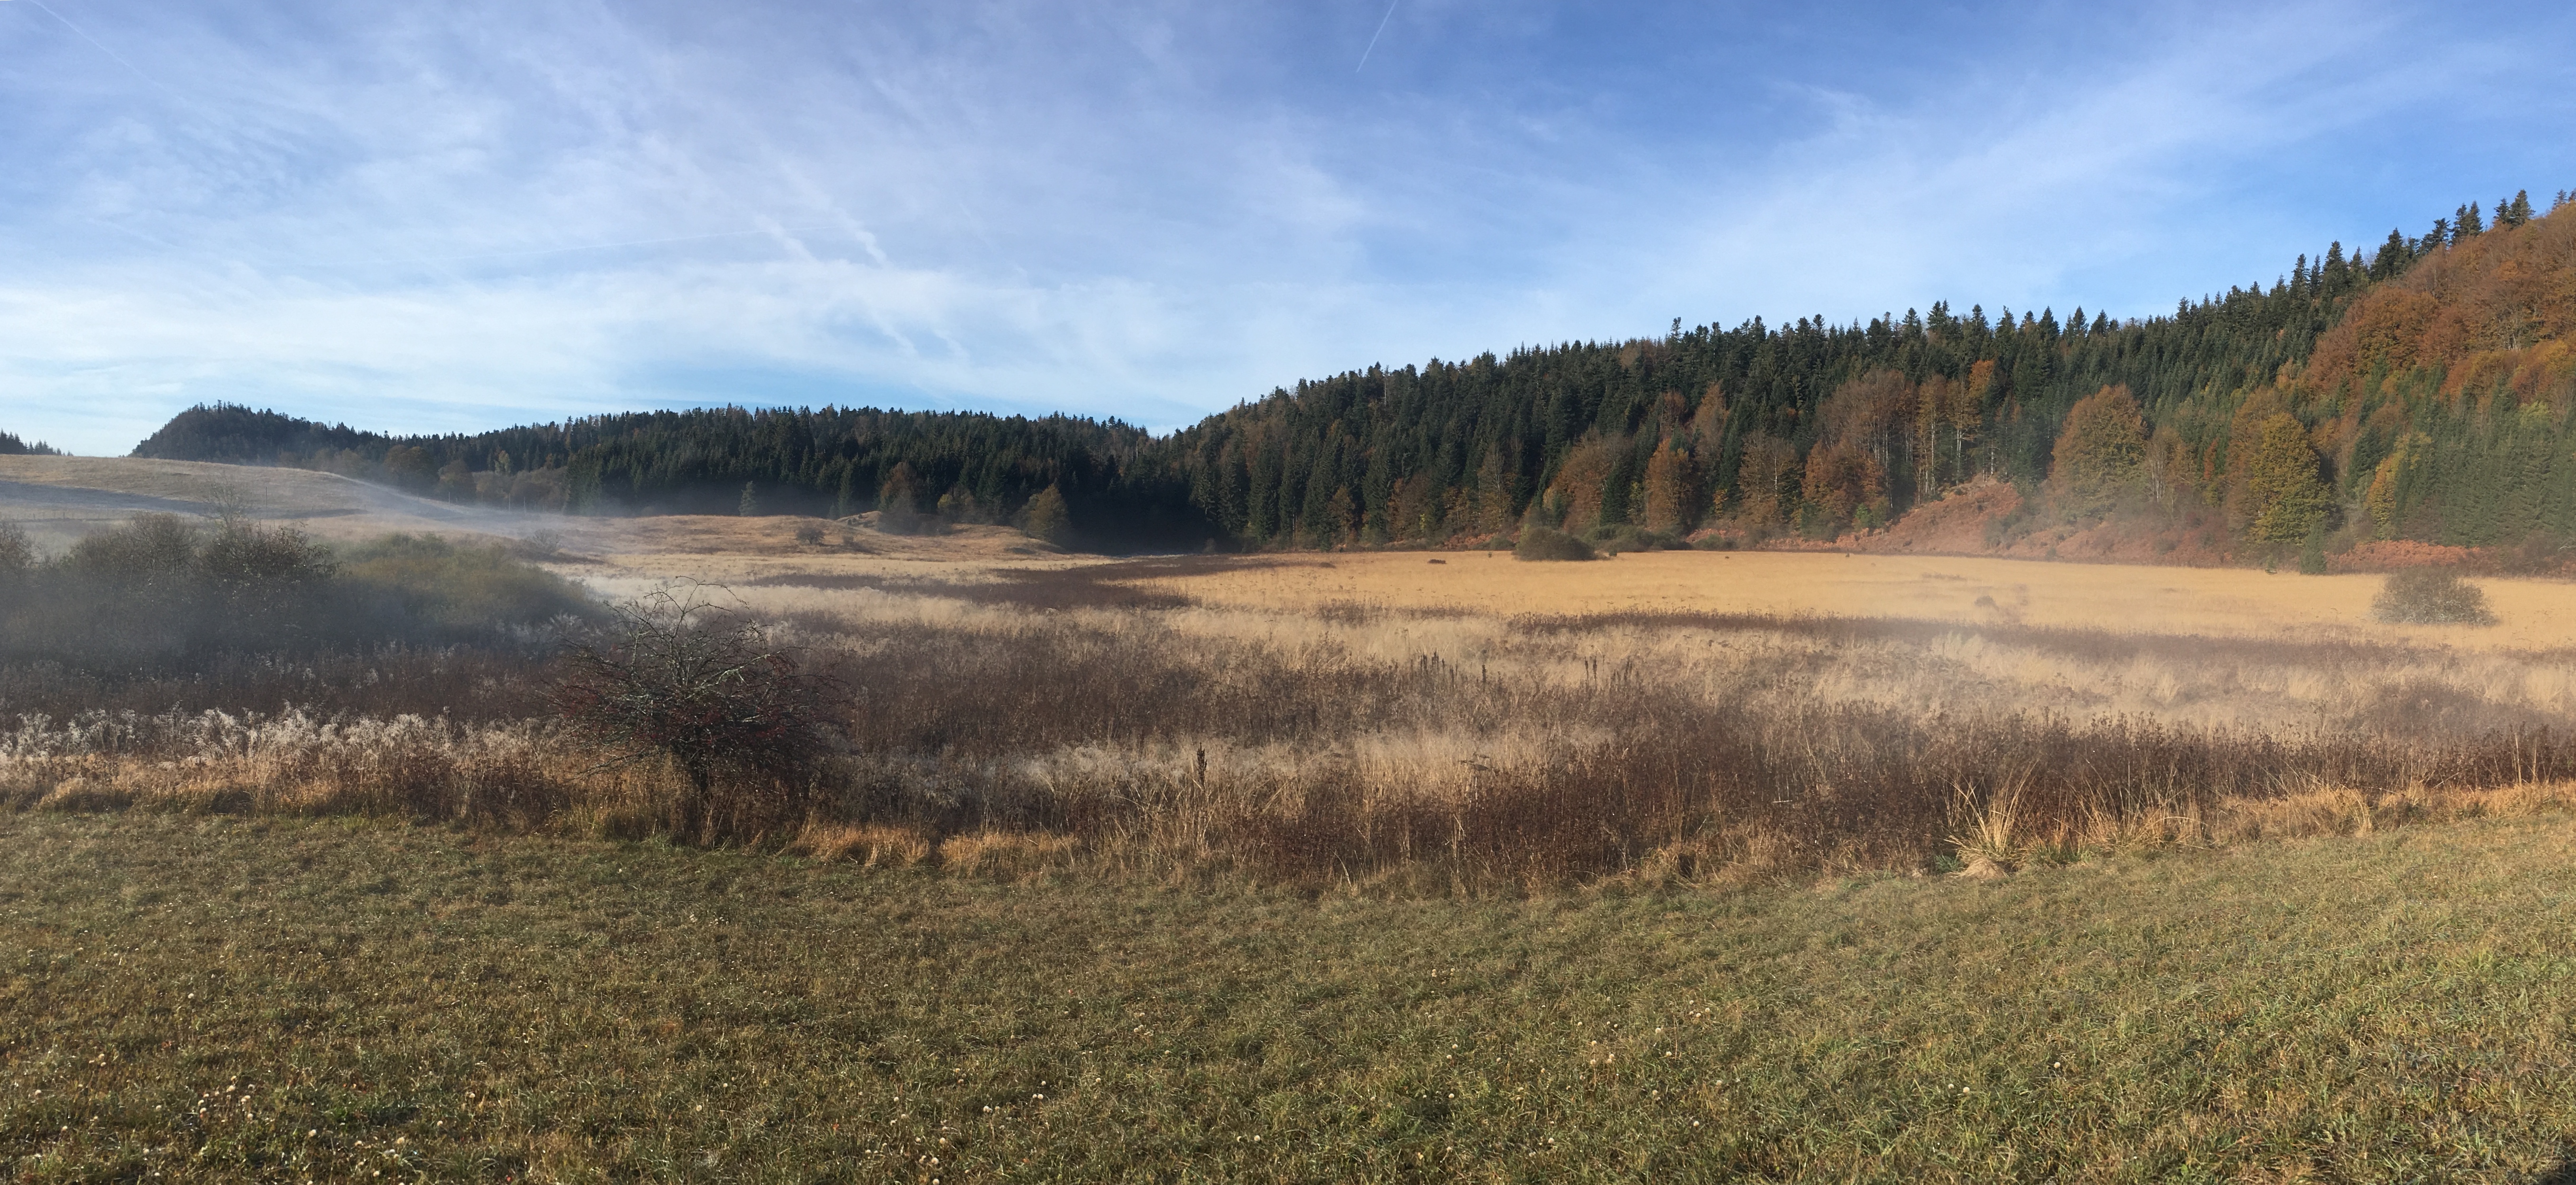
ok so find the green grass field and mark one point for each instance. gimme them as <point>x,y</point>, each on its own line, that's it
<point>191,999</point>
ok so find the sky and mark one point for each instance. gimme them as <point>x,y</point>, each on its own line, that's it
<point>463,215</point>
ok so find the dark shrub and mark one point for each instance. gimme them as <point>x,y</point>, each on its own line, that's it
<point>17,553</point>
<point>1628,537</point>
<point>2431,596</point>
<point>152,550</point>
<point>424,580</point>
<point>162,594</point>
<point>1548,543</point>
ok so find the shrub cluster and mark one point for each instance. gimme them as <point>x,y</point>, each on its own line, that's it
<point>162,593</point>
<point>2431,596</point>
<point>1548,543</point>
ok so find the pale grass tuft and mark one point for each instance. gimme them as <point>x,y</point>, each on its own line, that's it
<point>78,793</point>
<point>1009,855</point>
<point>2332,810</point>
<point>869,846</point>
<point>1989,843</point>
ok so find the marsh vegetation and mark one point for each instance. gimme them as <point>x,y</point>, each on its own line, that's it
<point>1092,721</point>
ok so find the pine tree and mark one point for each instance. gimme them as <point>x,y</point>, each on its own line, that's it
<point>750,505</point>
<point>2392,258</point>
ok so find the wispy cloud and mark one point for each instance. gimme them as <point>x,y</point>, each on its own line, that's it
<point>455,216</point>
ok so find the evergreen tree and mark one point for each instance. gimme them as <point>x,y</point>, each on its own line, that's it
<point>2392,258</point>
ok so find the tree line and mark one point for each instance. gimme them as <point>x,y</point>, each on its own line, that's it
<point>12,446</point>
<point>2419,390</point>
<point>961,466</point>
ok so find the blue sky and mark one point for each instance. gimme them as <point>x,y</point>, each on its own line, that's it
<point>462,215</point>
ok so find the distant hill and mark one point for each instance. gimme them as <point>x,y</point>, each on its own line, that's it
<point>967,466</point>
<point>2420,391</point>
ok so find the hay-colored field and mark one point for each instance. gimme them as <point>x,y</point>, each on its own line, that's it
<point>2536,614</point>
<point>61,498</point>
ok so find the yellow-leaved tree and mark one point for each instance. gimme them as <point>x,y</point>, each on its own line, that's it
<point>2284,498</point>
<point>2101,457</point>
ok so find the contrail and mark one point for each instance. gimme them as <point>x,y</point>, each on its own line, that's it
<point>119,60</point>
<point>1381,32</point>
<point>730,234</point>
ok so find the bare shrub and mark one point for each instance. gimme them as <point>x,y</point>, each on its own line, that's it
<point>676,676</point>
<point>2431,596</point>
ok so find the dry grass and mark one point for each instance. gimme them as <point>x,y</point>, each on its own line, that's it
<point>1474,725</point>
<point>2211,602</point>
<point>1062,723</point>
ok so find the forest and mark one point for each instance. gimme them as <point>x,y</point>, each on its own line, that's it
<point>2419,390</point>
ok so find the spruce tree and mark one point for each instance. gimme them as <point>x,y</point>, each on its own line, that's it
<point>2392,258</point>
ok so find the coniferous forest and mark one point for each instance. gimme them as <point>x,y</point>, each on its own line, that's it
<point>2419,390</point>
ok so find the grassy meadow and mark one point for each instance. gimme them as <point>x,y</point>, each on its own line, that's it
<point>220,999</point>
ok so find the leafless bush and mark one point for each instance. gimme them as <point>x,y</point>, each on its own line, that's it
<point>677,676</point>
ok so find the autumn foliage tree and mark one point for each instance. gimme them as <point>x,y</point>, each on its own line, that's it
<point>2101,455</point>
<point>1672,489</point>
<point>2283,497</point>
<point>1047,519</point>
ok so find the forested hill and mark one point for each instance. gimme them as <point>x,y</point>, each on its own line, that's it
<point>2420,391</point>
<point>968,466</point>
